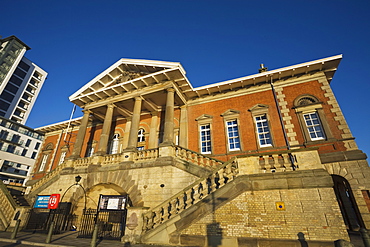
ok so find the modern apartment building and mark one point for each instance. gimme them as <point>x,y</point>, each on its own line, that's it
<point>19,146</point>
<point>20,80</point>
<point>20,83</point>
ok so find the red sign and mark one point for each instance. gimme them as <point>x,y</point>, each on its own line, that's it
<point>53,201</point>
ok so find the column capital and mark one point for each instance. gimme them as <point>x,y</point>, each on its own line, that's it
<point>138,98</point>
<point>154,113</point>
<point>170,89</point>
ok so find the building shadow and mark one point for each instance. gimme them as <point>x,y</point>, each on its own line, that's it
<point>214,234</point>
<point>302,240</point>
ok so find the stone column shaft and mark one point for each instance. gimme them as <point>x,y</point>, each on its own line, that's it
<point>169,118</point>
<point>127,131</point>
<point>183,142</point>
<point>132,140</point>
<point>80,136</point>
<point>153,137</point>
<point>104,137</point>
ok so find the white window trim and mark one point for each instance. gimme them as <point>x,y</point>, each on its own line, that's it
<point>263,121</point>
<point>43,162</point>
<point>141,135</point>
<point>115,144</point>
<point>202,120</point>
<point>208,141</point>
<point>231,115</point>
<point>232,138</point>
<point>62,157</point>
<point>319,124</point>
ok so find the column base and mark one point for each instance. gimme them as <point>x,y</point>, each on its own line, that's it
<point>166,144</point>
<point>73,157</point>
<point>99,153</point>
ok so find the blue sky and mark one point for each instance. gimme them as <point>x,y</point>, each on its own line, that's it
<point>214,41</point>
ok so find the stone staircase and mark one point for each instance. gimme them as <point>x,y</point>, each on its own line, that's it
<point>159,218</point>
<point>181,153</point>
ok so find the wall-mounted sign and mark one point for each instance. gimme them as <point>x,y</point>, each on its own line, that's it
<point>109,202</point>
<point>280,206</point>
<point>41,201</point>
<point>53,201</point>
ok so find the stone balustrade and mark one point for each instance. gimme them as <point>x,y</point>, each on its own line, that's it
<point>82,162</point>
<point>280,161</point>
<point>111,159</point>
<point>194,193</point>
<point>146,154</point>
<point>7,207</point>
<point>196,158</point>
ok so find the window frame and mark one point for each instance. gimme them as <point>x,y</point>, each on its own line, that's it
<point>257,111</point>
<point>43,162</point>
<point>115,141</point>
<point>203,120</point>
<point>306,104</point>
<point>317,127</point>
<point>265,124</point>
<point>234,124</point>
<point>230,116</point>
<point>207,143</point>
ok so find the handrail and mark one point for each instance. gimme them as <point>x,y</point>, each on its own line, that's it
<point>196,158</point>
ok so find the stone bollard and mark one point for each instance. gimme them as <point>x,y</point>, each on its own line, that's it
<point>94,236</point>
<point>15,231</point>
<point>365,237</point>
<point>50,233</point>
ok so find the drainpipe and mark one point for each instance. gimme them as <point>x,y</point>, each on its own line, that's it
<point>291,158</point>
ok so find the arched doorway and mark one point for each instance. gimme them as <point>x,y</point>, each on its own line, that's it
<point>347,203</point>
<point>111,221</point>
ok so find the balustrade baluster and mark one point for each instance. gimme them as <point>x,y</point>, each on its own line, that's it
<point>182,200</point>
<point>281,161</point>
<point>221,181</point>
<point>166,211</point>
<point>189,199</point>
<point>262,162</point>
<point>271,162</point>
<point>213,183</point>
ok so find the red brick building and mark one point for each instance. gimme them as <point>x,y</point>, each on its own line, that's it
<point>141,116</point>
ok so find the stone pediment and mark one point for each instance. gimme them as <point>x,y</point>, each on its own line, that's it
<point>204,117</point>
<point>128,75</point>
<point>230,112</point>
<point>258,107</point>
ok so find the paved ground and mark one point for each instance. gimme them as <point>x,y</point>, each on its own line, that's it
<point>69,239</point>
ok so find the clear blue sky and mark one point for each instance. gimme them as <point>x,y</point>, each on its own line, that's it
<point>214,40</point>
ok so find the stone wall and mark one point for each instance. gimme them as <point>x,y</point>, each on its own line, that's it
<point>256,214</point>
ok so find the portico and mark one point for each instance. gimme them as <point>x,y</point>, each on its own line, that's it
<point>130,91</point>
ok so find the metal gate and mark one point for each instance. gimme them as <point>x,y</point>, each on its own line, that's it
<point>40,219</point>
<point>111,224</point>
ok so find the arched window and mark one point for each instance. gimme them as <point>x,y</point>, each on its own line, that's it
<point>141,135</point>
<point>115,144</point>
<point>312,118</point>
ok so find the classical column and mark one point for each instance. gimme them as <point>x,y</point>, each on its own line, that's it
<point>80,136</point>
<point>153,137</point>
<point>127,132</point>
<point>132,140</point>
<point>168,119</point>
<point>183,142</point>
<point>104,137</point>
